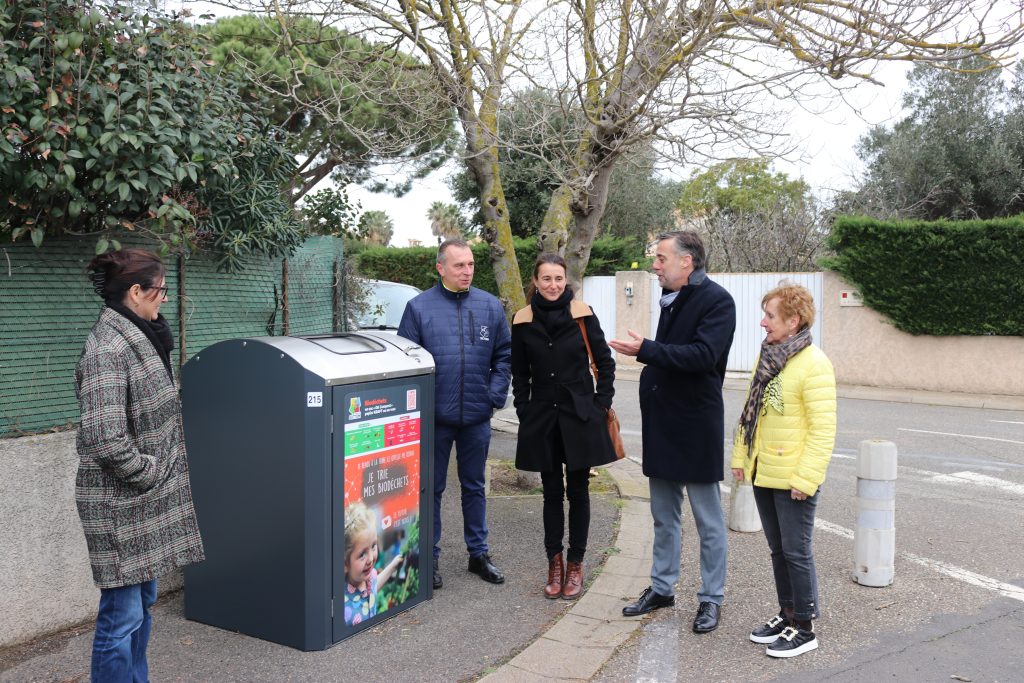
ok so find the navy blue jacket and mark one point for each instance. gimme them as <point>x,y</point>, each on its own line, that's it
<point>681,386</point>
<point>468,336</point>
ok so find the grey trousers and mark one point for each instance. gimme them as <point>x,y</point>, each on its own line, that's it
<point>666,509</point>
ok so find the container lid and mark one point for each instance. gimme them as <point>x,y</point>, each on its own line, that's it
<point>351,357</point>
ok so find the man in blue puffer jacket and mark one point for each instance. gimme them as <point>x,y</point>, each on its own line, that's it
<point>466,332</point>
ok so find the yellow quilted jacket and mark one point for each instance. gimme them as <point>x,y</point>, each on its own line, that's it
<point>797,427</point>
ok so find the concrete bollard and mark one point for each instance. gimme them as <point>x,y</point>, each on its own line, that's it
<point>742,508</point>
<point>874,539</point>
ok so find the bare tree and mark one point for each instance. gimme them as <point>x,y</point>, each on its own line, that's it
<point>701,78</point>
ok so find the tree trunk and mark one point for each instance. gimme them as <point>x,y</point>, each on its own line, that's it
<point>587,211</point>
<point>554,231</point>
<point>497,231</point>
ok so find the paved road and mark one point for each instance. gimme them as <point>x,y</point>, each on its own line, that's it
<point>957,605</point>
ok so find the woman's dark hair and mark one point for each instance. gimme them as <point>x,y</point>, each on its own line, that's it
<point>112,274</point>
<point>553,259</point>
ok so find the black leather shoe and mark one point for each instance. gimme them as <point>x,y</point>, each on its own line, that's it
<point>707,618</point>
<point>482,566</point>
<point>648,602</point>
<point>438,582</point>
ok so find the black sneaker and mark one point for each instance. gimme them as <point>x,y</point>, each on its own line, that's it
<point>792,642</point>
<point>769,631</point>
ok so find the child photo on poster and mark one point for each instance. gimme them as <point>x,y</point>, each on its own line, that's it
<point>362,580</point>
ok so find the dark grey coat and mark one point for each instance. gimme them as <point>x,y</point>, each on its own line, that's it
<point>132,489</point>
<point>552,387</point>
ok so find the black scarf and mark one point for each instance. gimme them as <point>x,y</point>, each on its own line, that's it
<point>553,315</point>
<point>157,331</point>
<point>773,358</point>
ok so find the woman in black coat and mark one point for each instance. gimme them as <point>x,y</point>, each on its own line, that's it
<point>561,415</point>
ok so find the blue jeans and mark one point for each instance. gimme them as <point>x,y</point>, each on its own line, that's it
<point>471,444</point>
<point>122,634</point>
<point>789,528</point>
<point>666,508</point>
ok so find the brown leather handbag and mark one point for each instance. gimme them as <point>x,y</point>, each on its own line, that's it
<point>611,417</point>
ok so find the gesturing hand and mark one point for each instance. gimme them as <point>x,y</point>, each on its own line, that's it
<point>630,347</point>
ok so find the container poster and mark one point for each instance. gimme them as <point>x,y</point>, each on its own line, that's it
<point>382,501</point>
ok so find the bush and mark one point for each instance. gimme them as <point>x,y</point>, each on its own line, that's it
<point>936,278</point>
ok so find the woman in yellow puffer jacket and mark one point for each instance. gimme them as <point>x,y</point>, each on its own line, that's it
<point>783,445</point>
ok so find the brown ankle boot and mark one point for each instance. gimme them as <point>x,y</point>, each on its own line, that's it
<point>556,576</point>
<point>573,581</point>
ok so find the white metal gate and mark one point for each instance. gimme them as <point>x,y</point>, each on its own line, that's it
<point>599,292</point>
<point>746,289</point>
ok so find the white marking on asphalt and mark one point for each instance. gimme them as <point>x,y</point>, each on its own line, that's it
<point>1007,422</point>
<point>961,436</point>
<point>833,528</point>
<point>659,652</point>
<point>980,480</point>
<point>1005,589</point>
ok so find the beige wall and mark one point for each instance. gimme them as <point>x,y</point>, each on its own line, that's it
<point>866,349</point>
<point>632,313</point>
<point>45,580</point>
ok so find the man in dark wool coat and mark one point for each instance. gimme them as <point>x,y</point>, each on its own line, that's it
<point>683,413</point>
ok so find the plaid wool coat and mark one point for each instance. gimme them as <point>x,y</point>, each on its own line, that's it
<point>132,490</point>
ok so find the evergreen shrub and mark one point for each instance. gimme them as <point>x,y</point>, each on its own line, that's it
<point>936,277</point>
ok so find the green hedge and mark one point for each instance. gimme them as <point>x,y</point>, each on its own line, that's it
<point>415,265</point>
<point>936,277</point>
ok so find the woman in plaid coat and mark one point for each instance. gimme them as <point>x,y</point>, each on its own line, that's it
<point>132,490</point>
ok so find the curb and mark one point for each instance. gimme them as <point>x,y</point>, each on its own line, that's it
<point>585,637</point>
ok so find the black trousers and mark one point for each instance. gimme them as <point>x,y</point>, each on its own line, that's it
<point>574,485</point>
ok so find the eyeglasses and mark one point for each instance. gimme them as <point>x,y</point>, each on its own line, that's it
<point>162,291</point>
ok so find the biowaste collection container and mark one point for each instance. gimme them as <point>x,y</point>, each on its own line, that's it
<point>310,472</point>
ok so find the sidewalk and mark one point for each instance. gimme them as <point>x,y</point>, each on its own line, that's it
<point>586,636</point>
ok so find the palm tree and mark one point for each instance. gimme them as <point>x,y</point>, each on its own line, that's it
<point>445,221</point>
<point>376,227</point>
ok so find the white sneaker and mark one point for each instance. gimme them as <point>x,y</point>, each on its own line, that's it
<point>792,643</point>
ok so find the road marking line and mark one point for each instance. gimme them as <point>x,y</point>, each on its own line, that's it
<point>1007,422</point>
<point>963,436</point>
<point>980,480</point>
<point>1005,589</point>
<point>833,528</point>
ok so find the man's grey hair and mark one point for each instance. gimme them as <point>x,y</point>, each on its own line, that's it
<point>447,244</point>
<point>687,242</point>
